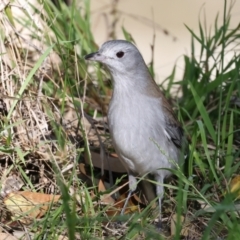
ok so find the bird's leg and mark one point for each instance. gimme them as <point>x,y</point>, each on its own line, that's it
<point>132,188</point>
<point>160,192</point>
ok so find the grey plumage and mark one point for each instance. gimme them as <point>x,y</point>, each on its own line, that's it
<point>145,132</point>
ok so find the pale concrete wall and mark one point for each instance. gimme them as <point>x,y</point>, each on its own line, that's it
<point>136,16</point>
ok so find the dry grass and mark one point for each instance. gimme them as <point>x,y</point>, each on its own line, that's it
<point>45,89</point>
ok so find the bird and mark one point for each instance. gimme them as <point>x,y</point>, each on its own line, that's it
<point>147,136</point>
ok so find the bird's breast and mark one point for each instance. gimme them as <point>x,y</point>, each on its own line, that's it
<point>137,130</point>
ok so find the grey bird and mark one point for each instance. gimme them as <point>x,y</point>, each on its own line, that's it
<point>146,134</point>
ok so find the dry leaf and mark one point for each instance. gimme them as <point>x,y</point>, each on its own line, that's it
<point>7,236</point>
<point>185,226</point>
<point>82,168</point>
<point>26,206</point>
<point>105,198</point>
<point>234,186</point>
<point>61,237</point>
<point>117,207</point>
<point>132,206</point>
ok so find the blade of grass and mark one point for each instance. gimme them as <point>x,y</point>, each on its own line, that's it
<point>204,143</point>
<point>203,112</point>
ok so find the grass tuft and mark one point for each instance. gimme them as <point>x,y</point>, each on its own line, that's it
<point>52,118</point>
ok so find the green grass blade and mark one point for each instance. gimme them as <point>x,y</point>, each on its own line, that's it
<point>204,113</point>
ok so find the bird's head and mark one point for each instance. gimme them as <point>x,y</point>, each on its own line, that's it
<point>120,56</point>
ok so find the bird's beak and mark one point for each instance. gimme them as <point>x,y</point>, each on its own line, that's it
<point>96,56</point>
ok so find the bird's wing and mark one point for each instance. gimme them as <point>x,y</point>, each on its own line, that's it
<point>174,131</point>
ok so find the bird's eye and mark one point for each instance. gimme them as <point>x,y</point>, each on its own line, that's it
<point>120,54</point>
